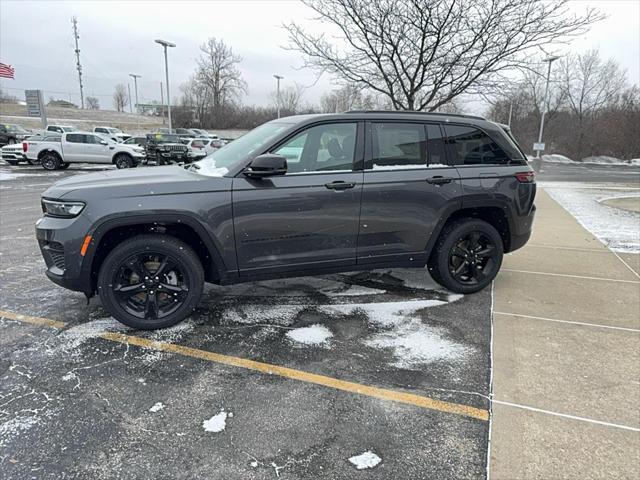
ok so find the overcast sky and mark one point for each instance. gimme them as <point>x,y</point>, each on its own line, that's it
<point>117,38</point>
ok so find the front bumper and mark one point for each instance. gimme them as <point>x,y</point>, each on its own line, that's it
<point>60,241</point>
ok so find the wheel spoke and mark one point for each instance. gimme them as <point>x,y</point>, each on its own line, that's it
<point>478,273</point>
<point>129,290</point>
<point>486,251</point>
<point>460,269</point>
<point>151,306</point>
<point>173,288</point>
<point>458,251</point>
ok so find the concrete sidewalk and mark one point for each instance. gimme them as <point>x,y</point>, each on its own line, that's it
<point>566,351</point>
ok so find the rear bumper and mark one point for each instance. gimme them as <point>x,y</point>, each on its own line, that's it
<point>522,231</point>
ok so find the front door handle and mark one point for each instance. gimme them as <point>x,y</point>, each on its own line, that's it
<point>339,185</point>
<point>439,180</point>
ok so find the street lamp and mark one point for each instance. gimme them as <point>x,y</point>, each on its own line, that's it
<point>166,44</point>
<point>550,60</point>
<point>278,78</point>
<point>135,83</point>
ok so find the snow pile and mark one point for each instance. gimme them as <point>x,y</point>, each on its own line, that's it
<point>365,460</point>
<point>208,167</point>
<point>217,423</point>
<point>617,229</point>
<point>384,313</point>
<point>69,341</point>
<point>313,335</point>
<point>556,159</point>
<point>603,160</point>
<point>157,407</point>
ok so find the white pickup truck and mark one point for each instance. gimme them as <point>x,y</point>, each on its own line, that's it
<point>84,147</point>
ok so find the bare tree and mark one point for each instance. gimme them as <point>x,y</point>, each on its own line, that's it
<point>196,95</point>
<point>120,97</point>
<point>589,85</point>
<point>349,97</point>
<point>290,98</point>
<point>423,54</point>
<point>93,103</point>
<point>218,71</point>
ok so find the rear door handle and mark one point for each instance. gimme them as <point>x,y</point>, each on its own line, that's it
<point>339,185</point>
<point>439,180</point>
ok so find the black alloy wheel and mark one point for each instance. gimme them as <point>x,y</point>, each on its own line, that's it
<point>151,281</point>
<point>473,258</point>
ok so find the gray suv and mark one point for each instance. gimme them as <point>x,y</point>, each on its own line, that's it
<point>303,195</point>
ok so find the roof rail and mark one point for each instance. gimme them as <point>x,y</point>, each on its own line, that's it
<point>418,113</point>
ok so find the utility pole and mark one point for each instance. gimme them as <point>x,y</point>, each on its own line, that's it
<point>549,60</point>
<point>130,106</point>
<point>278,78</point>
<point>76,36</point>
<point>162,102</point>
<point>166,44</point>
<point>135,82</point>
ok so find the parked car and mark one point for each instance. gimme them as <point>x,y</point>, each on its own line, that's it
<point>12,154</point>
<point>34,147</point>
<point>185,133</point>
<point>114,134</point>
<point>197,149</point>
<point>61,128</point>
<point>11,133</point>
<point>164,149</point>
<point>89,147</point>
<point>370,190</point>
<point>209,146</point>
<point>140,140</point>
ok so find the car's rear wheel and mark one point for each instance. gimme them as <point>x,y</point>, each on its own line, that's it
<point>151,281</point>
<point>50,161</point>
<point>123,161</point>
<point>467,256</point>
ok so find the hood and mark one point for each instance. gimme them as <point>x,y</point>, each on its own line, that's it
<point>136,182</point>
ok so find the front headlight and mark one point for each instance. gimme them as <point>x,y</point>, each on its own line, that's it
<point>61,209</point>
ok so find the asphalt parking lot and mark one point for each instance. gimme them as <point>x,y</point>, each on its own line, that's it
<point>300,378</point>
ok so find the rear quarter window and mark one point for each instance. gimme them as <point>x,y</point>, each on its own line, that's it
<point>469,145</point>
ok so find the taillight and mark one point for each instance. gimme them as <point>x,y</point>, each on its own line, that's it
<point>25,146</point>
<point>526,177</point>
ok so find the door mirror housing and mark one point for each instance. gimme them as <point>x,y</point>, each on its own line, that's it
<point>266,165</point>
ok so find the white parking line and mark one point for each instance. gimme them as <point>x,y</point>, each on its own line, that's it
<point>597,325</point>
<point>579,249</point>
<point>570,276</point>
<point>564,415</point>
<point>626,264</point>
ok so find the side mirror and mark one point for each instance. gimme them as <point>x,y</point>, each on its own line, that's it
<point>266,165</point>
<point>104,142</point>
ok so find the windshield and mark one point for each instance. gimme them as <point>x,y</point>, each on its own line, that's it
<point>114,130</point>
<point>16,129</point>
<point>221,161</point>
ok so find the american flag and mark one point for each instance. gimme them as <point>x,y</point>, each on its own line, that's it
<point>6,71</point>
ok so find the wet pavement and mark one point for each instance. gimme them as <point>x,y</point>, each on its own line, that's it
<point>74,403</point>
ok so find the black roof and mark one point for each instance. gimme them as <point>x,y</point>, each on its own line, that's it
<point>413,112</point>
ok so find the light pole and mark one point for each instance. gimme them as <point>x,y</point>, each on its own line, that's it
<point>278,78</point>
<point>545,101</point>
<point>135,83</point>
<point>166,44</point>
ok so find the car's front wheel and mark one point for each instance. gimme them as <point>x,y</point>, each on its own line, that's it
<point>151,281</point>
<point>467,255</point>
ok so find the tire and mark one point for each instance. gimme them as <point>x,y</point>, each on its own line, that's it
<point>64,166</point>
<point>50,161</point>
<point>123,161</point>
<point>129,290</point>
<point>467,255</point>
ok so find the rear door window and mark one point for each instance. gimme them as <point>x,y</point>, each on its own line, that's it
<point>471,146</point>
<point>398,145</point>
<point>75,138</point>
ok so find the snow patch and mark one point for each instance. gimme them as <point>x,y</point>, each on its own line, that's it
<point>617,229</point>
<point>276,314</point>
<point>217,423</point>
<point>208,167</point>
<point>356,290</point>
<point>156,407</point>
<point>555,158</point>
<point>384,313</point>
<point>365,460</point>
<point>313,335</point>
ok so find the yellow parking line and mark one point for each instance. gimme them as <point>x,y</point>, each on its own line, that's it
<point>43,322</point>
<point>375,392</point>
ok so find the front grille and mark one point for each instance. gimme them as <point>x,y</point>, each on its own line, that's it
<point>177,148</point>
